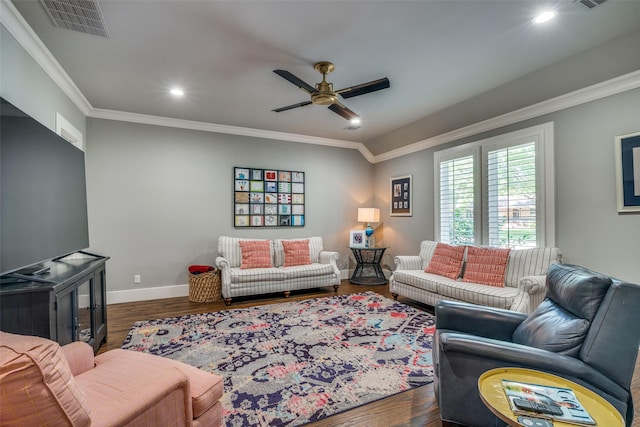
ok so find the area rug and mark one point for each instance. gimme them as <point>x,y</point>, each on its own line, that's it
<point>293,363</point>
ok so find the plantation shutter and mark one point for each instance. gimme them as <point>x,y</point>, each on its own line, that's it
<point>457,200</point>
<point>511,196</point>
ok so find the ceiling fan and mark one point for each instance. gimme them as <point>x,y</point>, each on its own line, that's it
<point>323,93</point>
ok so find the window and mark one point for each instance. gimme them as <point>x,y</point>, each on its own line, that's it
<point>498,191</point>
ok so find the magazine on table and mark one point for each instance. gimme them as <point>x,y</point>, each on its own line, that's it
<point>554,403</point>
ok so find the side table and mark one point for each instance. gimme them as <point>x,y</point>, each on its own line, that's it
<point>493,396</point>
<point>368,270</point>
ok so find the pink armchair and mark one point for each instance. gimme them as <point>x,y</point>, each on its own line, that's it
<point>43,383</point>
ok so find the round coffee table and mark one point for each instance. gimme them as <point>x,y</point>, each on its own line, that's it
<point>493,396</point>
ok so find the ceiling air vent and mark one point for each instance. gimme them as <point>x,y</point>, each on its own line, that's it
<point>589,3</point>
<point>84,16</point>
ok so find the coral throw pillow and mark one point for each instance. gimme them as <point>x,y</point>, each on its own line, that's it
<point>486,266</point>
<point>446,261</point>
<point>255,254</point>
<point>296,252</point>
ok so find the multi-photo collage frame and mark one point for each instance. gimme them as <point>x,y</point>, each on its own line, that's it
<point>268,198</point>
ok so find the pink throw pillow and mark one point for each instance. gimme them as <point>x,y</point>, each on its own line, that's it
<point>486,266</point>
<point>255,254</point>
<point>446,261</point>
<point>296,252</point>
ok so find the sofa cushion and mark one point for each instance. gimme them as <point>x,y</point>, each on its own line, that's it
<point>296,252</point>
<point>250,275</point>
<point>255,254</point>
<point>309,270</point>
<point>486,265</point>
<point>476,293</point>
<point>530,262</point>
<point>229,249</point>
<point>37,384</point>
<point>420,279</point>
<point>427,248</point>
<point>446,261</point>
<point>552,328</point>
<point>315,247</point>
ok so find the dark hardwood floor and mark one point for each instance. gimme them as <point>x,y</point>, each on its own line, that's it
<point>415,407</point>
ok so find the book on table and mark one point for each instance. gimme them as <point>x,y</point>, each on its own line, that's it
<point>555,403</point>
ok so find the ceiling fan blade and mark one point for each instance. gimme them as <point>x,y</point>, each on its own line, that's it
<point>295,80</point>
<point>289,107</point>
<point>364,88</point>
<point>343,111</point>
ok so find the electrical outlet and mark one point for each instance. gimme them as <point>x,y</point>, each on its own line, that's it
<point>137,278</point>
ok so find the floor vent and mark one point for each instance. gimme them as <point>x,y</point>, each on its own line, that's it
<point>84,16</point>
<point>589,3</point>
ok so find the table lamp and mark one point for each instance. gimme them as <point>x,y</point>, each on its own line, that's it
<point>368,215</point>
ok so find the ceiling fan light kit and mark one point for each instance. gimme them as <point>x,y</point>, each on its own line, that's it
<point>323,93</point>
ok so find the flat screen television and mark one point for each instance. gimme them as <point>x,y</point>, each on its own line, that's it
<point>43,195</point>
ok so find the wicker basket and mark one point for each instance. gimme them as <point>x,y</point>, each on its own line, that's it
<point>205,287</point>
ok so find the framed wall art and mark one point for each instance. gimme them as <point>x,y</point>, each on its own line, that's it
<point>627,158</point>
<point>268,198</point>
<point>357,239</point>
<point>401,196</point>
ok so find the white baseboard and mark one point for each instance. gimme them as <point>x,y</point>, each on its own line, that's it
<point>160,292</point>
<point>146,294</point>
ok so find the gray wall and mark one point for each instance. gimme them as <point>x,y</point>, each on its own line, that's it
<point>589,230</point>
<point>29,88</point>
<point>159,197</point>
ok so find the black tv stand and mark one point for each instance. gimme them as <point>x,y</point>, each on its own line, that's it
<point>65,302</point>
<point>30,277</point>
<point>33,270</point>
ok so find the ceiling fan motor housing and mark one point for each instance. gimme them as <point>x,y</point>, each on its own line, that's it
<point>325,94</point>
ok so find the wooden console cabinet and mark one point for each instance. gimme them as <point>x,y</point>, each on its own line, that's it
<point>68,303</point>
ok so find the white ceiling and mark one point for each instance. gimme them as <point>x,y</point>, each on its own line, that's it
<point>223,53</point>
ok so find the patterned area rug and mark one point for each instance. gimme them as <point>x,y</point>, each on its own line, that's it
<point>293,363</point>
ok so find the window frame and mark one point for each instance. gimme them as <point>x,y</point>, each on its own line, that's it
<point>543,137</point>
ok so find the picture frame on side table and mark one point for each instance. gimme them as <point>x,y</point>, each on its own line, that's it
<point>627,158</point>
<point>357,239</point>
<point>401,197</point>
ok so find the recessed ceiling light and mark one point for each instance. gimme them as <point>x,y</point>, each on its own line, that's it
<point>544,17</point>
<point>176,91</point>
<point>355,121</point>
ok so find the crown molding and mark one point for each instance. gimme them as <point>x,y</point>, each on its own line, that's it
<point>13,21</point>
<point>226,129</point>
<point>597,91</point>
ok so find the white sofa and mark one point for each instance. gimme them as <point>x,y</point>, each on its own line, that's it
<point>525,280</point>
<point>235,282</point>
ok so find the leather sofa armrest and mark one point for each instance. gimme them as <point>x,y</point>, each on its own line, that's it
<point>511,354</point>
<point>79,356</point>
<point>477,320</point>
<point>408,262</point>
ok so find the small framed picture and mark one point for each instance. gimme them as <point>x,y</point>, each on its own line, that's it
<point>627,158</point>
<point>400,202</point>
<point>357,239</point>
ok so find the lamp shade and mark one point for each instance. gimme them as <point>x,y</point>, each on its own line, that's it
<point>368,215</point>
